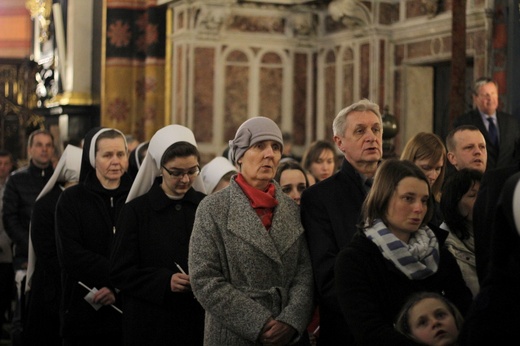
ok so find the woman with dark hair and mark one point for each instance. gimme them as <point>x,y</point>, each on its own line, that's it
<point>394,254</point>
<point>458,198</point>
<point>86,217</point>
<point>249,262</point>
<point>292,179</point>
<point>149,260</point>
<point>320,159</point>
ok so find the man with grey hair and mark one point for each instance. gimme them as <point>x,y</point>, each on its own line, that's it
<point>331,209</point>
<point>501,130</point>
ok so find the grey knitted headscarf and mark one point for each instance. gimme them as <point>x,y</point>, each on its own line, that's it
<point>252,131</point>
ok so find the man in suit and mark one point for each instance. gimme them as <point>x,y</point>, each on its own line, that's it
<point>501,130</point>
<point>331,209</point>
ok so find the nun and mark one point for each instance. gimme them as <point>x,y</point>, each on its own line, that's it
<point>43,284</point>
<point>217,173</point>
<point>86,216</point>
<point>149,262</point>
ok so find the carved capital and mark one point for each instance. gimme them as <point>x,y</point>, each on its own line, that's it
<point>41,13</point>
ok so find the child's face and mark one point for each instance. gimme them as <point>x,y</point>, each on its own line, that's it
<point>432,323</point>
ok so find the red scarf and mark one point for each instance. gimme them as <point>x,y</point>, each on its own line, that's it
<point>263,202</point>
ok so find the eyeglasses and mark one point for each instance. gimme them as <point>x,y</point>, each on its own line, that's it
<point>179,174</point>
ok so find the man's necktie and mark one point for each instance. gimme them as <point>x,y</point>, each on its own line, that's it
<point>492,131</point>
<point>368,184</point>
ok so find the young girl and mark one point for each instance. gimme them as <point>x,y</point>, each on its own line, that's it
<point>431,319</point>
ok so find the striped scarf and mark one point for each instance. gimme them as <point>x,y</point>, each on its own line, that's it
<point>417,260</point>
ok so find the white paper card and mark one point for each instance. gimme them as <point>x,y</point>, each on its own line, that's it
<point>90,299</point>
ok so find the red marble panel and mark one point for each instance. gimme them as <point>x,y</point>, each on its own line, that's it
<point>500,36</point>
<point>398,54</point>
<point>414,8</point>
<point>388,13</point>
<point>419,49</point>
<point>271,58</point>
<point>500,59</point>
<point>300,95</point>
<point>348,84</point>
<point>382,71</point>
<point>235,99</point>
<point>364,64</point>
<point>271,82</point>
<point>204,75</point>
<point>178,92</point>
<point>330,99</point>
<point>479,42</point>
<point>236,56</point>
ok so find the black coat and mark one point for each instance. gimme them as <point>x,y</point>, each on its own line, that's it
<point>494,316</point>
<point>330,211</point>
<point>85,225</point>
<point>43,301</point>
<point>508,152</point>
<point>153,234</point>
<point>21,190</point>
<point>484,214</point>
<point>371,290</point>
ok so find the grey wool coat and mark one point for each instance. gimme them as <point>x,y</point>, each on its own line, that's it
<point>242,274</point>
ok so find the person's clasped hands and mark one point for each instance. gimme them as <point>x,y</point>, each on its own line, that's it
<point>276,333</point>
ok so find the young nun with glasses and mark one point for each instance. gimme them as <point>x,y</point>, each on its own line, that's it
<point>149,261</point>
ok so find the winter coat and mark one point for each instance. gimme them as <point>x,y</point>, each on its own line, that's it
<point>85,225</point>
<point>330,211</point>
<point>152,236</point>
<point>243,274</point>
<point>21,190</point>
<point>371,290</point>
<point>465,259</point>
<point>43,300</point>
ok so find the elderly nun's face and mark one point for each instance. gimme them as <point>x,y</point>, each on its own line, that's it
<point>258,164</point>
<point>111,161</point>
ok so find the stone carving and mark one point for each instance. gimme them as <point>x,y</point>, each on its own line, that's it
<point>210,21</point>
<point>352,13</point>
<point>431,7</point>
<point>303,25</point>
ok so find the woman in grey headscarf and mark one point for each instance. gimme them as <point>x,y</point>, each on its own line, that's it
<point>249,263</point>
